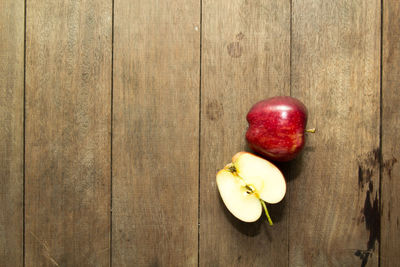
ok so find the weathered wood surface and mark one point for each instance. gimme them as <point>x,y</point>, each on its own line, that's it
<point>155,133</point>
<point>131,107</point>
<point>390,203</point>
<point>11,131</point>
<point>334,197</point>
<point>68,126</point>
<point>245,58</point>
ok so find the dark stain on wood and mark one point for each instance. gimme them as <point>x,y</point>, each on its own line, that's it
<point>363,255</point>
<point>364,176</point>
<point>388,166</point>
<point>240,36</point>
<point>214,110</point>
<point>366,168</point>
<point>155,263</point>
<point>372,223</point>
<point>234,49</point>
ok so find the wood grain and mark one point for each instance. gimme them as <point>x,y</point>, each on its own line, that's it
<point>155,133</point>
<point>245,59</point>
<point>390,220</point>
<point>11,131</point>
<point>334,201</point>
<point>68,114</point>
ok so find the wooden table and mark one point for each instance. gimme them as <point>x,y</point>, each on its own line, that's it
<point>116,115</point>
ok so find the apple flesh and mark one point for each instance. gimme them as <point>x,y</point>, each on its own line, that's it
<point>247,182</point>
<point>244,206</point>
<point>277,127</point>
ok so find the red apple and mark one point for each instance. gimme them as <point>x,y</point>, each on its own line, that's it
<point>277,127</point>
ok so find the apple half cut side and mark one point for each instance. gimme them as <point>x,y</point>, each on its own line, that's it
<point>247,182</point>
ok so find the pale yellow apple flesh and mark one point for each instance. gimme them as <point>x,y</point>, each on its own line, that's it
<point>240,203</point>
<point>265,176</point>
<point>246,182</point>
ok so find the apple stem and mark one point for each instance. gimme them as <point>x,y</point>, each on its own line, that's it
<point>266,212</point>
<point>312,130</point>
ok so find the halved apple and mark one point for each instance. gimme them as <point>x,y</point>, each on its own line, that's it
<point>247,182</point>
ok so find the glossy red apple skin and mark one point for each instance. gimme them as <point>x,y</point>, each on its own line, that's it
<point>276,127</point>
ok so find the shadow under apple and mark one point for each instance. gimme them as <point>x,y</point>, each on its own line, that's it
<point>290,169</point>
<point>248,229</point>
<point>276,212</point>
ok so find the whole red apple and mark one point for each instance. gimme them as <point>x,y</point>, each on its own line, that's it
<point>277,127</point>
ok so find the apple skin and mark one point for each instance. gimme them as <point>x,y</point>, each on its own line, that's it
<point>277,127</point>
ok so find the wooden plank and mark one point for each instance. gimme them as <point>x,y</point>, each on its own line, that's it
<point>68,114</point>
<point>155,133</point>
<point>390,203</point>
<point>245,58</point>
<point>11,131</point>
<point>334,201</point>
